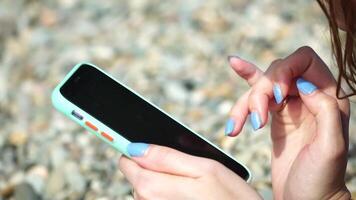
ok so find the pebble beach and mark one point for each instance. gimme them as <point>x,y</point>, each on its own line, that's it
<point>174,53</point>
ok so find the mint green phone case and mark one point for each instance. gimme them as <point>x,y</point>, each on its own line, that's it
<point>66,107</point>
<point>119,143</point>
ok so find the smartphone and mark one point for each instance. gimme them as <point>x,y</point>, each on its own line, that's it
<point>118,115</point>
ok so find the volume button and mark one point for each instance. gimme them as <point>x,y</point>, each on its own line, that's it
<point>77,115</point>
<point>90,125</point>
<point>107,136</point>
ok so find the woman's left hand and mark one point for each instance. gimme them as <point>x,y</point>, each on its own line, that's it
<point>158,172</point>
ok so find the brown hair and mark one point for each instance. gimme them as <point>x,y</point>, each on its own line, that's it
<point>344,51</point>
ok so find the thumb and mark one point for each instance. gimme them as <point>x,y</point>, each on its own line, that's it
<point>164,159</point>
<point>329,135</point>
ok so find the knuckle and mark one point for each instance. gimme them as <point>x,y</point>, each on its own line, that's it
<point>339,151</point>
<point>275,62</point>
<point>122,161</point>
<point>160,155</point>
<point>278,70</point>
<point>255,93</point>
<point>260,91</point>
<point>306,50</point>
<point>144,193</point>
<point>212,167</point>
<point>329,103</point>
<point>142,185</point>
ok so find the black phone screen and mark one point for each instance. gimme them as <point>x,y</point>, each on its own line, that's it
<point>134,118</point>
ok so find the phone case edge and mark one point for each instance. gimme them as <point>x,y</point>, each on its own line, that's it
<point>63,105</point>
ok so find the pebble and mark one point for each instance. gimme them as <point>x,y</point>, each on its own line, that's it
<point>55,183</point>
<point>25,191</point>
<point>173,53</point>
<point>18,138</point>
<point>74,178</point>
<point>175,91</point>
<point>58,155</point>
<point>37,177</point>
<point>266,193</point>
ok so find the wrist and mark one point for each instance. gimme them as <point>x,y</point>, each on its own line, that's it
<point>343,194</point>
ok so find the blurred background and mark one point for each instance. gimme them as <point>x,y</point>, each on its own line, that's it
<point>172,52</point>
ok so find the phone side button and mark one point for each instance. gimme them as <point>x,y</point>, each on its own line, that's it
<point>90,125</point>
<point>107,136</point>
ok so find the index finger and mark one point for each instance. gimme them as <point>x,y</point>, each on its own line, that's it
<point>245,69</point>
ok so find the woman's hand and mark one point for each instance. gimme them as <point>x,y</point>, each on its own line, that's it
<point>309,127</point>
<point>157,172</point>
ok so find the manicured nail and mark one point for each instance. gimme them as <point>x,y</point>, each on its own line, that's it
<point>229,127</point>
<point>255,120</point>
<point>277,92</point>
<point>231,57</point>
<point>137,149</point>
<point>305,86</point>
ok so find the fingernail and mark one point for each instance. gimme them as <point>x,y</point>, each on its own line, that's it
<point>229,127</point>
<point>255,120</point>
<point>137,149</point>
<point>277,92</point>
<point>305,86</point>
<point>231,57</point>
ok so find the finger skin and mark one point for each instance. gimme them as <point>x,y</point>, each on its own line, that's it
<point>257,101</point>
<point>246,70</point>
<point>303,62</point>
<point>251,73</point>
<point>319,169</point>
<point>218,182</point>
<point>326,111</point>
<point>239,113</point>
<point>167,160</point>
<point>148,184</point>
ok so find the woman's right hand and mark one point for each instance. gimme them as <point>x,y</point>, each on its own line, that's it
<point>309,127</point>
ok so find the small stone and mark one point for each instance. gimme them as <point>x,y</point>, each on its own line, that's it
<point>74,178</point>
<point>25,191</point>
<point>18,138</point>
<point>55,183</point>
<point>225,107</point>
<point>102,52</point>
<point>67,3</point>
<point>17,178</point>
<point>48,17</point>
<point>7,191</point>
<point>2,138</point>
<point>266,193</point>
<point>197,97</point>
<point>58,155</point>
<point>351,185</point>
<point>83,140</point>
<point>37,177</point>
<point>257,170</point>
<point>175,91</point>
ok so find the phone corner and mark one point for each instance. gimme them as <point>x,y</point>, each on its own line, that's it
<point>83,63</point>
<point>59,102</point>
<point>250,176</point>
<point>55,97</point>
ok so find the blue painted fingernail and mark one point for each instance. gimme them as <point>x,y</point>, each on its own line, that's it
<point>277,92</point>
<point>137,149</point>
<point>305,86</point>
<point>255,120</point>
<point>229,127</point>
